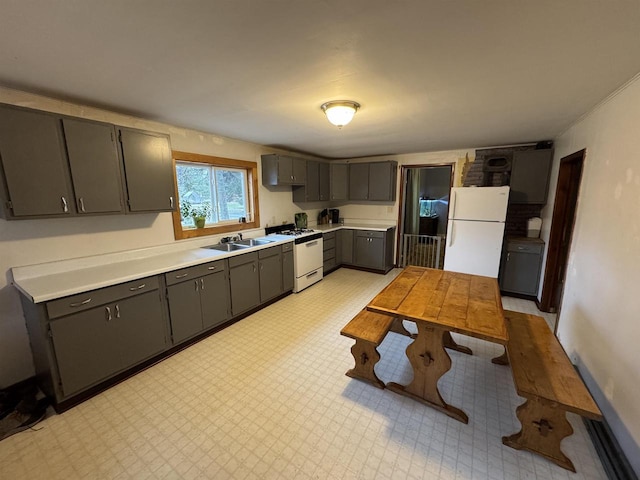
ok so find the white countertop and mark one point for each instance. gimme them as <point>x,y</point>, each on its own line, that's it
<point>352,226</point>
<point>53,280</point>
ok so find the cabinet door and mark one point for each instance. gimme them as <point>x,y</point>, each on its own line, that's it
<point>312,185</point>
<point>95,168</point>
<point>185,310</point>
<point>521,273</point>
<point>358,181</point>
<point>287,271</point>
<point>214,299</point>
<point>299,168</point>
<point>270,277</point>
<point>346,247</point>
<point>323,174</point>
<point>285,170</point>
<point>380,181</point>
<point>339,184</point>
<point>148,171</point>
<point>85,348</point>
<point>34,163</point>
<point>370,252</point>
<point>140,327</point>
<point>530,172</point>
<point>245,287</point>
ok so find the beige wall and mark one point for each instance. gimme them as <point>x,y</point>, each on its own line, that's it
<point>599,323</point>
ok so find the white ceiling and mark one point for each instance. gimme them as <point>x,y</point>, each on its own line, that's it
<point>429,74</point>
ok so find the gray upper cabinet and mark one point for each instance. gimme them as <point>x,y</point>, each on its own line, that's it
<point>374,181</point>
<point>95,166</point>
<point>34,166</point>
<point>283,170</point>
<point>148,168</point>
<point>324,187</point>
<point>530,171</point>
<point>316,187</point>
<point>339,181</point>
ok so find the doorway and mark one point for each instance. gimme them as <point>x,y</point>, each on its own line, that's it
<point>562,223</point>
<point>424,204</point>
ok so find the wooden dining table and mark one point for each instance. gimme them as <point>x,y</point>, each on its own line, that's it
<point>440,302</point>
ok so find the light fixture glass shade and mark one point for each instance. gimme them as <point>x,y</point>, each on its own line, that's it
<point>341,112</point>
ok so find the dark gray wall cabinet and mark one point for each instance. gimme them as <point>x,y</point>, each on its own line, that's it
<point>283,170</point>
<point>374,181</point>
<point>316,187</point>
<point>521,266</point>
<point>530,172</point>
<point>339,181</point>
<point>55,166</point>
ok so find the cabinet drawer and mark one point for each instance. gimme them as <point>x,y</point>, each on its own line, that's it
<point>287,247</point>
<point>93,298</point>
<point>369,234</point>
<point>329,236</point>
<point>329,265</point>
<point>196,271</point>
<point>328,254</point>
<point>329,244</point>
<point>269,252</point>
<point>242,259</point>
<point>525,247</point>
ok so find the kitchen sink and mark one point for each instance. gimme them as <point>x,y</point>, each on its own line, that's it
<point>227,247</point>
<point>252,242</point>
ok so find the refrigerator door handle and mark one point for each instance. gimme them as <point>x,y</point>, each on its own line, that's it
<point>451,233</point>
<point>453,206</point>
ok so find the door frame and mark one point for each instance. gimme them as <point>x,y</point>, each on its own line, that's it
<point>562,225</point>
<point>401,198</point>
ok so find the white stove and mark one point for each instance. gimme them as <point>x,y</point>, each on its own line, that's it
<point>307,254</point>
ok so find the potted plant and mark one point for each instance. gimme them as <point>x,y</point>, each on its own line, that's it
<point>199,212</point>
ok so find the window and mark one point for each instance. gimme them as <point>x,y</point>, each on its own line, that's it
<point>215,195</point>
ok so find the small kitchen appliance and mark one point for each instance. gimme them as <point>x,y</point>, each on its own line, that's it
<point>334,215</point>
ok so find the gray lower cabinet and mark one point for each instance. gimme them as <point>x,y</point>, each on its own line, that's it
<point>244,282</point>
<point>94,335</point>
<point>148,168</point>
<point>270,267</point>
<point>374,249</point>
<point>339,181</point>
<point>34,166</point>
<point>198,299</point>
<point>347,241</point>
<point>288,274</point>
<point>530,172</point>
<point>521,266</point>
<point>329,257</point>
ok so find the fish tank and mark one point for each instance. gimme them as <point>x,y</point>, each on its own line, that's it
<point>427,207</point>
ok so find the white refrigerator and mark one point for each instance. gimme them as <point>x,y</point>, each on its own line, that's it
<point>475,230</point>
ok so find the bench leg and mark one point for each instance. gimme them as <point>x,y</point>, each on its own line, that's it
<point>544,425</point>
<point>366,357</point>
<point>502,359</point>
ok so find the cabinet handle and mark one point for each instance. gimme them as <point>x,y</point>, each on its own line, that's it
<point>139,287</point>
<point>182,276</point>
<point>211,268</point>
<point>254,267</point>
<point>202,283</point>
<point>196,282</point>
<point>261,266</point>
<point>508,256</point>
<point>108,310</point>
<point>311,244</point>
<point>81,202</point>
<point>65,206</point>
<point>171,202</point>
<point>117,311</point>
<point>78,304</point>
<point>312,274</point>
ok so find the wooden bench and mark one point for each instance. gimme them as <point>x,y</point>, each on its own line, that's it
<point>544,375</point>
<point>368,329</point>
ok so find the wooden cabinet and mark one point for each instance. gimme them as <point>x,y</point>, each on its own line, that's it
<point>55,166</point>
<point>374,249</point>
<point>288,273</point>
<point>34,165</point>
<point>530,171</point>
<point>329,257</point>
<point>374,181</point>
<point>270,266</point>
<point>339,181</point>
<point>244,282</point>
<point>198,299</point>
<point>84,339</point>
<point>148,168</point>
<point>521,266</point>
<point>283,170</point>
<point>95,166</point>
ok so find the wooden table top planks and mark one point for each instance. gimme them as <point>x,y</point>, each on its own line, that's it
<point>462,303</point>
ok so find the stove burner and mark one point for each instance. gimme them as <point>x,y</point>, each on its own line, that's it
<point>296,231</point>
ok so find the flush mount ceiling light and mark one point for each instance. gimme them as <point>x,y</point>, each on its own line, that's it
<point>340,112</point>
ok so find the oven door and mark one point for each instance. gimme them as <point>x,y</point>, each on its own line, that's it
<point>307,257</point>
